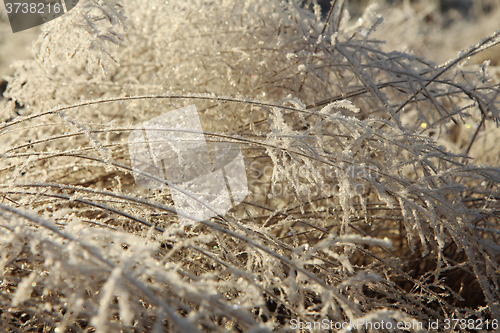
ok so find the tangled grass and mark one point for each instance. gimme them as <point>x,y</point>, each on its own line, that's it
<point>356,208</point>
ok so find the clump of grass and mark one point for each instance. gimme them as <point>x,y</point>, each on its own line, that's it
<point>355,211</point>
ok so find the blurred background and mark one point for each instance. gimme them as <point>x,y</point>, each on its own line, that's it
<point>434,29</point>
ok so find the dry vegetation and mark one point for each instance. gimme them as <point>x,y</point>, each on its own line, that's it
<point>373,174</point>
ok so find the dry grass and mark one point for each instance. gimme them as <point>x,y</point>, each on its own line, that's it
<point>356,209</point>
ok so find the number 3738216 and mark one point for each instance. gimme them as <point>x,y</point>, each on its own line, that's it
<point>32,8</point>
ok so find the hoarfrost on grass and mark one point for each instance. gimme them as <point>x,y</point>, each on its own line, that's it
<point>354,205</point>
